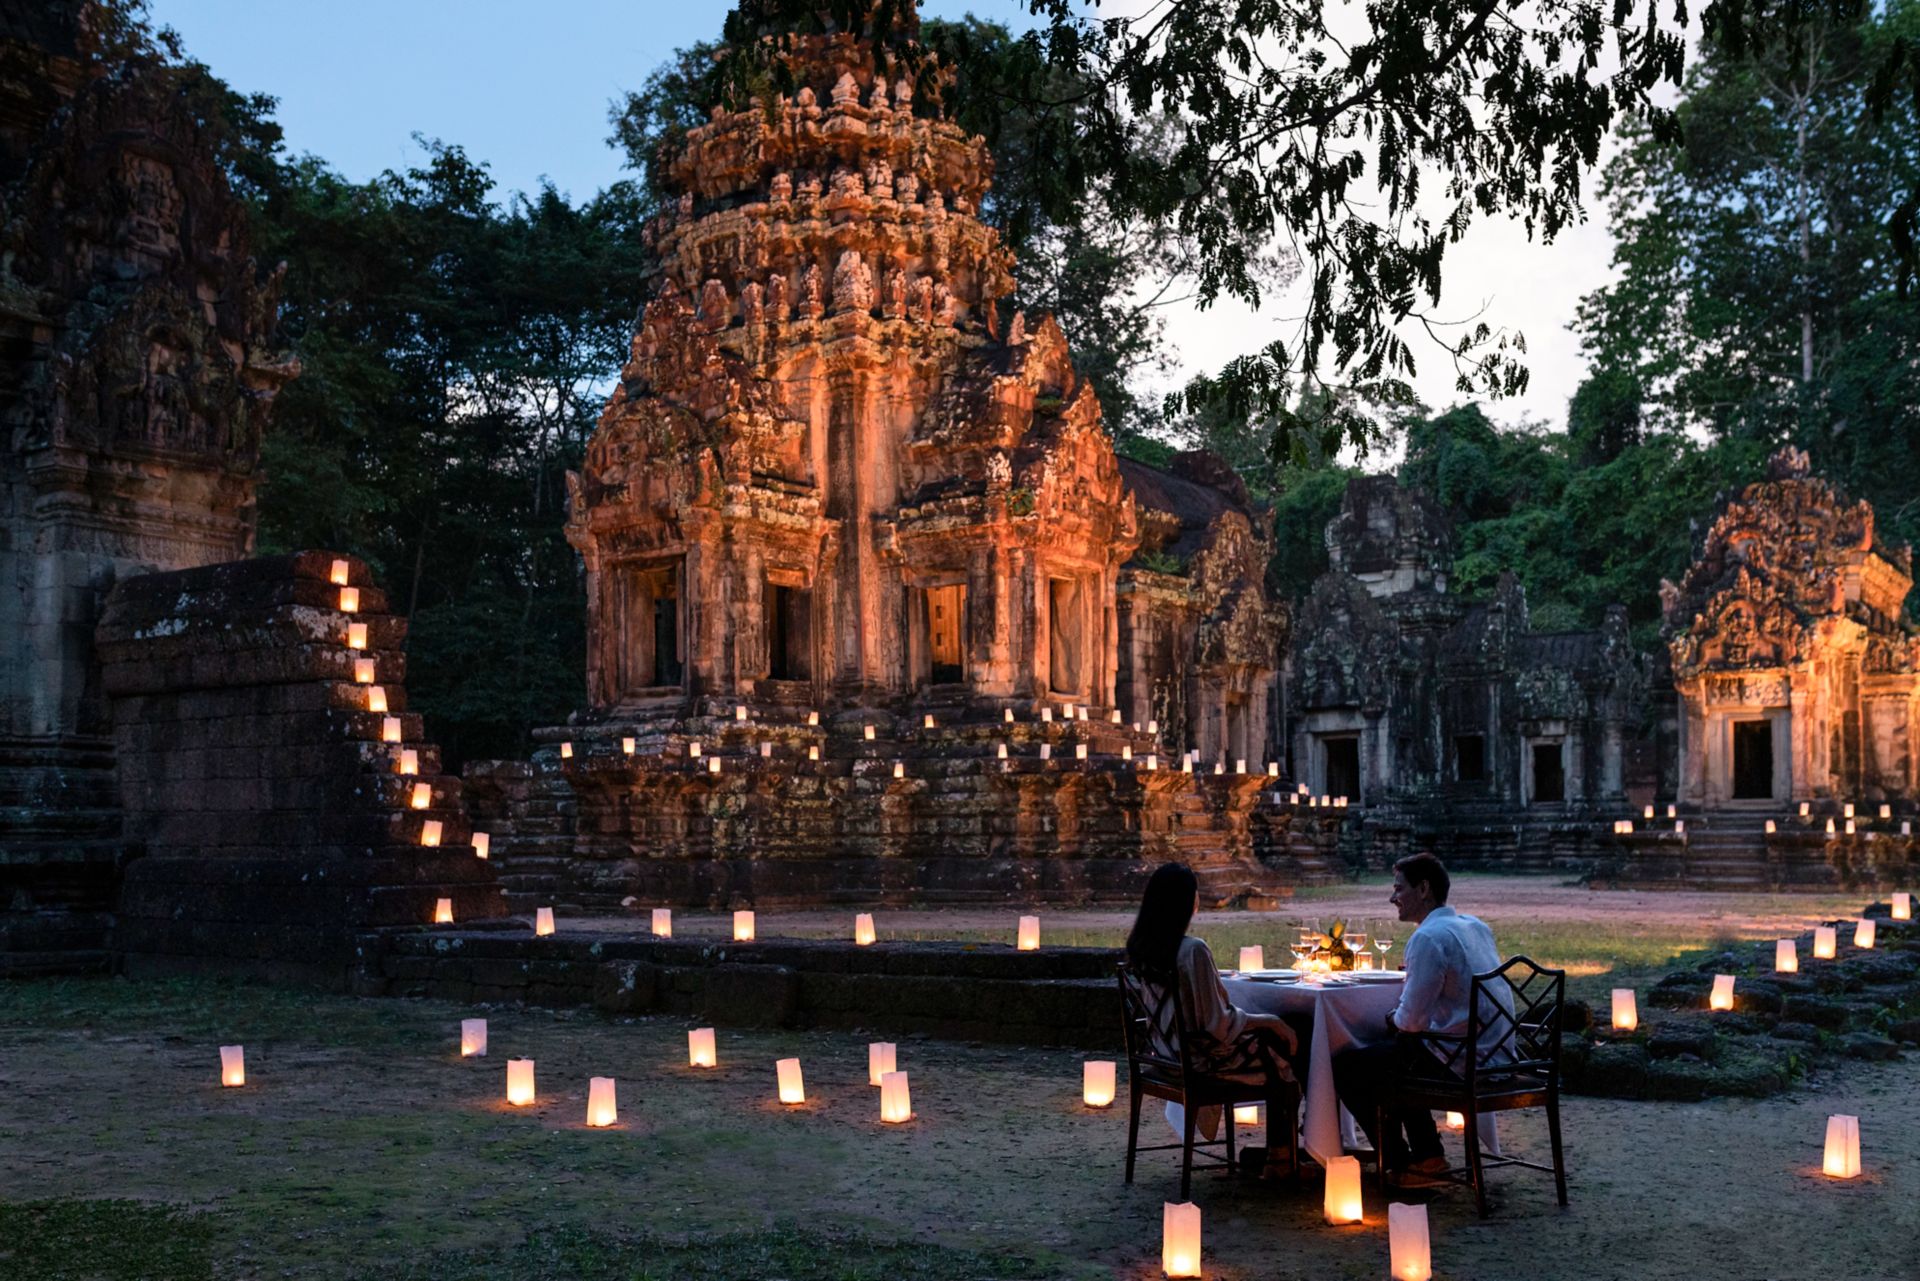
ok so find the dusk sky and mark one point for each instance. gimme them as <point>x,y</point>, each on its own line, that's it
<point>526,89</point>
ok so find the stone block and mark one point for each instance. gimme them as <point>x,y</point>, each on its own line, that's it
<point>1822,1012</point>
<point>1616,1069</point>
<point>1671,1038</point>
<point>752,995</point>
<point>1870,1046</point>
<point>625,987</point>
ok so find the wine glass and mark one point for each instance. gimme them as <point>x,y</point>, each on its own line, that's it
<point>1381,945</point>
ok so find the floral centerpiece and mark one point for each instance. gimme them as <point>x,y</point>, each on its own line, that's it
<point>1330,950</point>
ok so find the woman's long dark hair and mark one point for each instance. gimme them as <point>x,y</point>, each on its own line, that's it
<point>1166,909</point>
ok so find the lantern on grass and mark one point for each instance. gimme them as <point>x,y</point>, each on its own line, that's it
<point>473,1038</point>
<point>743,927</point>
<point>1842,1157</point>
<point>1626,1016</point>
<point>566,751</point>
<point>863,929</point>
<point>542,921</point>
<point>600,1102</point>
<point>482,844</point>
<point>363,671</point>
<point>1456,1121</point>
<point>1342,1203</point>
<point>422,797</point>
<point>1863,932</point>
<point>627,746</point>
<point>896,1103</point>
<point>519,1082</point>
<point>338,575</point>
<point>356,635</point>
<point>1786,957</point>
<point>1028,938</point>
<point>1253,958</point>
<point>1826,942</point>
<point>377,698</point>
<point>881,1059</point>
<point>1721,998</point>
<point>663,922</point>
<point>1409,1251</point>
<point>1903,906</point>
<point>700,1048</point>
<point>349,600</point>
<point>233,1065</point>
<point>1246,1114</point>
<point>792,1091</point>
<point>430,832</point>
<point>443,911</point>
<point>1097,1082</point>
<point>1180,1238</point>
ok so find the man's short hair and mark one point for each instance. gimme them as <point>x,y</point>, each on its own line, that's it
<point>1426,869</point>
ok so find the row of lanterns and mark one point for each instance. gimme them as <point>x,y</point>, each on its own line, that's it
<point>1026,933</point>
<point>1409,1246</point>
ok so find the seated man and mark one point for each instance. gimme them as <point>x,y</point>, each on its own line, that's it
<point>1447,949</point>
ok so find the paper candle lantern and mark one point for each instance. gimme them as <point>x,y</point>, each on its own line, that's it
<point>1456,1121</point>
<point>663,922</point>
<point>376,698</point>
<point>1126,752</point>
<point>1239,765</point>
<point>1647,812</point>
<point>1219,767</point>
<point>1863,933</point>
<point>473,1038</point>
<point>430,832</point>
<point>700,1048</point>
<point>813,753</point>
<point>896,1103</point>
<point>693,750</point>
<point>867,730</point>
<point>482,844</point>
<point>1079,751</point>
<point>792,1090</point>
<point>1846,811</point>
<point>899,770</point>
<point>927,721</point>
<point>1153,762</point>
<point>1114,717</point>
<point>1721,997</point>
<point>743,927</point>
<point>1273,769</point>
<point>443,911</point>
<point>1046,716</point>
<point>863,929</point>
<point>627,746</point>
<point>363,672</point>
<point>1028,939</point>
<point>1804,809</point>
<point>1886,812</point>
<point>1625,1016</point>
<point>713,764</point>
<point>881,1059</point>
<point>1001,751</point>
<point>1096,1082</point>
<point>1842,1158</point>
<point>1849,827</point>
<point>1903,906</point>
<point>1186,764</point>
<point>1246,1114</point>
<point>519,1082</point>
<point>356,635</point>
<point>739,713</point>
<point>1672,812</point>
<point>1409,1253</point>
<point>542,921</point>
<point>338,574</point>
<point>349,600</point>
<point>1771,829</point>
<point>600,1102</point>
<point>233,1065</point>
<point>1826,942</point>
<point>422,796</point>
<point>1343,1190</point>
<point>1070,711</point>
<point>566,751</point>
<point>766,750</point>
<point>1906,827</point>
<point>1180,1239</point>
<point>1007,716</point>
<point>389,729</point>
<point>1253,958</point>
<point>1046,751</point>
<point>1680,826</point>
<point>1786,957</point>
<point>1830,827</point>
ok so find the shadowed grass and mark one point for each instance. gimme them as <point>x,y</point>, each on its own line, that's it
<point>78,1240</point>
<point>205,1009</point>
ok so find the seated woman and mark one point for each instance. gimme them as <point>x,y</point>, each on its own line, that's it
<point>1228,1042</point>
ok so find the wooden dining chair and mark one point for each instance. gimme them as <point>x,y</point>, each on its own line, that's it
<point>1517,1066</point>
<point>1146,1007</point>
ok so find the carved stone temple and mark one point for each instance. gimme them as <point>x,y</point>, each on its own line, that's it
<point>859,537</point>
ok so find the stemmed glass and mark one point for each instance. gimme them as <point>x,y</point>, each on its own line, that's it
<point>1356,941</point>
<point>1381,945</point>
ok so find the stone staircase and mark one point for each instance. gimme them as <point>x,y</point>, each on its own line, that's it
<point>1733,850</point>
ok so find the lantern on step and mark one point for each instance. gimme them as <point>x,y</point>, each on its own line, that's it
<point>896,1102</point>
<point>1273,769</point>
<point>1180,1239</point>
<point>233,1065</point>
<point>1409,1251</point>
<point>338,575</point>
<point>863,929</point>
<point>377,698</point>
<point>1456,1121</point>
<point>1846,811</point>
<point>1046,716</point>
<point>1849,827</point>
<point>1219,767</point>
<point>1626,1015</point>
<point>700,1048</point>
<point>1342,1203</point>
<point>1153,763</point>
<point>813,719</point>
<point>1070,712</point>
<point>409,761</point>
<point>1647,812</point>
<point>443,911</point>
<point>627,746</point>
<point>1028,938</point>
<point>430,832</point>
<point>1246,1114</point>
<point>1680,826</point>
<point>1079,751</point>
<point>792,1090</point>
<point>813,753</point>
<point>740,714</point>
<point>473,1038</point>
<point>349,600</point>
<point>766,750</point>
<point>1046,751</point>
<point>1672,812</point>
<point>1903,906</point>
<point>1826,942</point>
<point>1239,765</point>
<point>1863,932</point>
<point>519,1082</point>
<point>566,751</point>
<point>899,770</point>
<point>363,671</point>
<point>1830,828</point>
<point>1906,827</point>
<point>542,921</point>
<point>1886,812</point>
<point>867,732</point>
<point>713,764</point>
<point>1721,998</point>
<point>1097,1082</point>
<point>422,797</point>
<point>1114,718</point>
<point>390,729</point>
<point>482,844</point>
<point>663,922</point>
<point>1007,716</point>
<point>882,1058</point>
<point>1786,957</point>
<point>356,635</point>
<point>693,750</point>
<point>1253,958</point>
<point>601,1111</point>
<point>743,927</point>
<point>1842,1157</point>
<point>1771,828</point>
<point>1126,752</point>
<point>926,722</point>
<point>1153,727</point>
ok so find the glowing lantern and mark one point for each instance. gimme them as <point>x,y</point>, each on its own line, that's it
<point>1180,1239</point>
<point>390,729</point>
<point>542,921</point>
<point>1722,996</point>
<point>1456,1121</point>
<point>1647,812</point>
<point>1079,751</point>
<point>519,1082</point>
<point>813,718</point>
<point>1849,827</point>
<point>867,730</point>
<point>1046,716</point>
<point>813,753</point>
<point>1846,811</point>
<point>473,1038</point>
<point>1680,826</point>
<point>356,635</point>
<point>1219,767</point>
<point>1343,1190</point>
<point>792,1091</point>
<point>693,750</point>
<point>1247,1114</point>
<point>927,722</point>
<point>430,832</point>
<point>1771,829</point>
<point>443,911</point>
<point>566,751</point>
<point>1863,933</point>
<point>1906,827</point>
<point>1002,752</point>
<point>766,749</point>
<point>377,698</point>
<point>233,1065</point>
<point>1239,765</point>
<point>743,927</point>
<point>1153,762</point>
<point>1804,809</point>
<point>863,929</point>
<point>1886,812</point>
<point>713,764</point>
<point>1671,812</point>
<point>1626,1017</point>
<point>663,922</point>
<point>881,1059</point>
<point>739,713</point>
<point>899,770</point>
<point>1153,727</point>
<point>1126,752</point>
<point>1829,827</point>
<point>1826,942</point>
<point>409,761</point>
<point>1114,718</point>
<point>627,746</point>
<point>1007,716</point>
<point>1028,939</point>
<point>1070,711</point>
<point>338,575</point>
<point>1409,1252</point>
<point>1186,764</point>
<point>1097,1082</point>
<point>700,1048</point>
<point>422,797</point>
<point>1903,906</point>
<point>896,1103</point>
<point>349,600</point>
<point>482,844</point>
<point>600,1102</point>
<point>1842,1158</point>
<point>1253,958</point>
<point>363,671</point>
<point>1273,769</point>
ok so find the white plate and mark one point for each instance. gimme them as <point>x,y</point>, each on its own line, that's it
<point>1378,976</point>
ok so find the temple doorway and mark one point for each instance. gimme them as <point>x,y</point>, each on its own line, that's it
<point>946,613</point>
<point>1549,774</point>
<point>1342,766</point>
<point>1065,628</point>
<point>1753,760</point>
<point>789,633</point>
